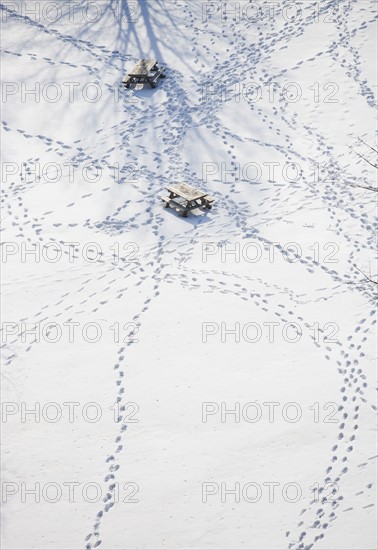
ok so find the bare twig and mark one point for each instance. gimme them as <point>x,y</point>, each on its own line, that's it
<point>365,159</point>
<point>368,187</point>
<point>367,276</point>
<point>367,145</point>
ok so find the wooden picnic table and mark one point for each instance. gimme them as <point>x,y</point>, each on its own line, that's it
<point>184,198</point>
<point>146,70</point>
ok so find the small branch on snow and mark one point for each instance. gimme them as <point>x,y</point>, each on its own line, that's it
<point>367,276</point>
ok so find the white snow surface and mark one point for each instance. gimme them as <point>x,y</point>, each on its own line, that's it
<point>175,277</point>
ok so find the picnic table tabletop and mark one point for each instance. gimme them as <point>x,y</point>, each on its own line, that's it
<point>143,67</point>
<point>187,192</point>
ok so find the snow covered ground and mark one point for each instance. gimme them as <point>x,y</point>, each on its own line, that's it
<point>199,383</point>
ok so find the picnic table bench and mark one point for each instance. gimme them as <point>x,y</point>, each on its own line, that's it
<point>146,70</point>
<point>184,198</point>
